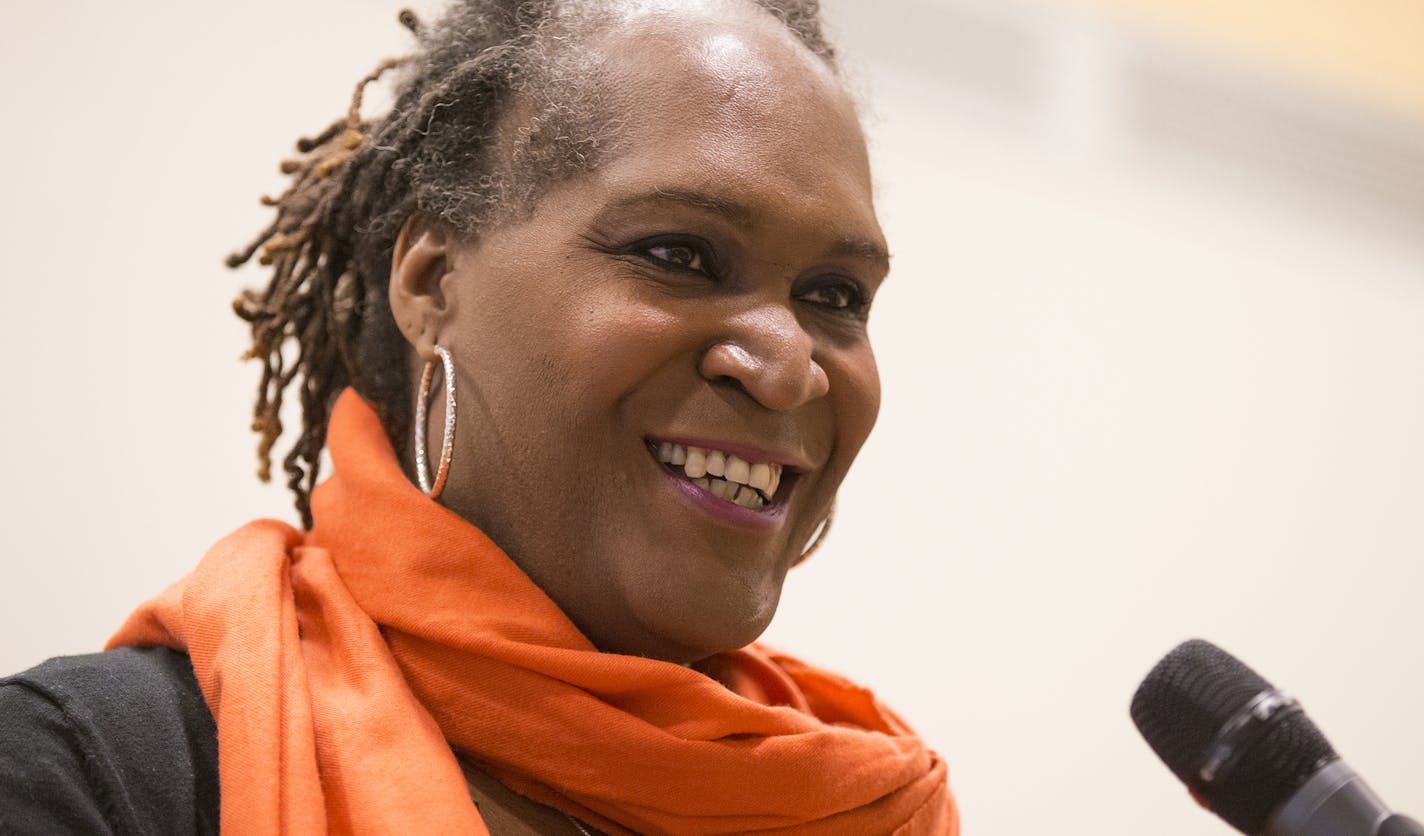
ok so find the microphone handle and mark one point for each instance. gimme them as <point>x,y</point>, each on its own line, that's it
<point>1337,802</point>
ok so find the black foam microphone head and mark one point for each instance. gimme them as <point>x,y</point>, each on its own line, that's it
<point>1185,704</point>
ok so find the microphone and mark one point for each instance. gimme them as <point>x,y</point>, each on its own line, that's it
<point>1248,753</point>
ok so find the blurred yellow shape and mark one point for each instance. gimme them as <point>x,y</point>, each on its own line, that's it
<point>1370,49</point>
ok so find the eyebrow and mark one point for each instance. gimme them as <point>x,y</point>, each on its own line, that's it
<point>862,248</point>
<point>847,246</point>
<point>738,213</point>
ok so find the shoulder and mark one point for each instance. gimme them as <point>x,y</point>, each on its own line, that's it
<point>117,741</point>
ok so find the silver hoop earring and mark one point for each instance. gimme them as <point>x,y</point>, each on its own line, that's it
<point>447,447</point>
<point>820,534</point>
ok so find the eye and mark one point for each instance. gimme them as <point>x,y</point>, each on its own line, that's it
<point>678,255</point>
<point>838,294</point>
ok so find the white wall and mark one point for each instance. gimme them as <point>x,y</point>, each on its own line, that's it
<point>1138,387</point>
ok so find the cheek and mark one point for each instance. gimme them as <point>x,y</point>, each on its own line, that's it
<point>562,385</point>
<point>855,388</point>
<point>613,344</point>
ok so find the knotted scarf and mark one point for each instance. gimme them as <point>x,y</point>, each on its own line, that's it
<point>343,664</point>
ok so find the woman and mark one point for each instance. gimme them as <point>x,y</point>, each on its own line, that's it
<point>615,260</point>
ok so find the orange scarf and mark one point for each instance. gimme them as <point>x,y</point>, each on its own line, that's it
<point>342,665</point>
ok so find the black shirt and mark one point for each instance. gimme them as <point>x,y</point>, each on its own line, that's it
<point>117,742</point>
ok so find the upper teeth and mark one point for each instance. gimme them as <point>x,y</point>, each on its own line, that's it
<point>730,470</point>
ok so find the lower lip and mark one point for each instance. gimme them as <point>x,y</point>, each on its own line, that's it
<point>722,509</point>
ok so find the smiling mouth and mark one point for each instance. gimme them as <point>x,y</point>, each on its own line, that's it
<point>750,485</point>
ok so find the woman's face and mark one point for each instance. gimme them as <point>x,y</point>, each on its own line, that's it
<point>701,295</point>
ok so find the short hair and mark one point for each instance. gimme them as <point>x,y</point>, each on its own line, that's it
<point>491,109</point>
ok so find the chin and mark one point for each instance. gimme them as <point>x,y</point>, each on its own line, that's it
<point>686,625</point>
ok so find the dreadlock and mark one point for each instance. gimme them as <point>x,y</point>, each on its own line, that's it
<point>323,320</point>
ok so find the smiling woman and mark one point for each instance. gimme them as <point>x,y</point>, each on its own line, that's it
<point>692,289</point>
<point>636,244</point>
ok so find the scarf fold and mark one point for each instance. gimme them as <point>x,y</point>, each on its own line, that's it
<point>342,665</point>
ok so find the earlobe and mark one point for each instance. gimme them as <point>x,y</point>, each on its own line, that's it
<point>419,261</point>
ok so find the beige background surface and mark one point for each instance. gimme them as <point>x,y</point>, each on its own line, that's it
<point>1153,358</point>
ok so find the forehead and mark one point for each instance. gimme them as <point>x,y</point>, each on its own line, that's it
<point>722,64</point>
<point>721,97</point>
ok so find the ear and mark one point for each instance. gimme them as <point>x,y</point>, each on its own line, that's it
<point>419,262</point>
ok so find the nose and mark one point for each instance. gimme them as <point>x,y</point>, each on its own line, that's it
<point>768,355</point>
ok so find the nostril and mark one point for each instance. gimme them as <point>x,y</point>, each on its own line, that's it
<point>731,382</point>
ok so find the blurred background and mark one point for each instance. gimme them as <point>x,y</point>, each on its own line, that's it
<point>1153,352</point>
